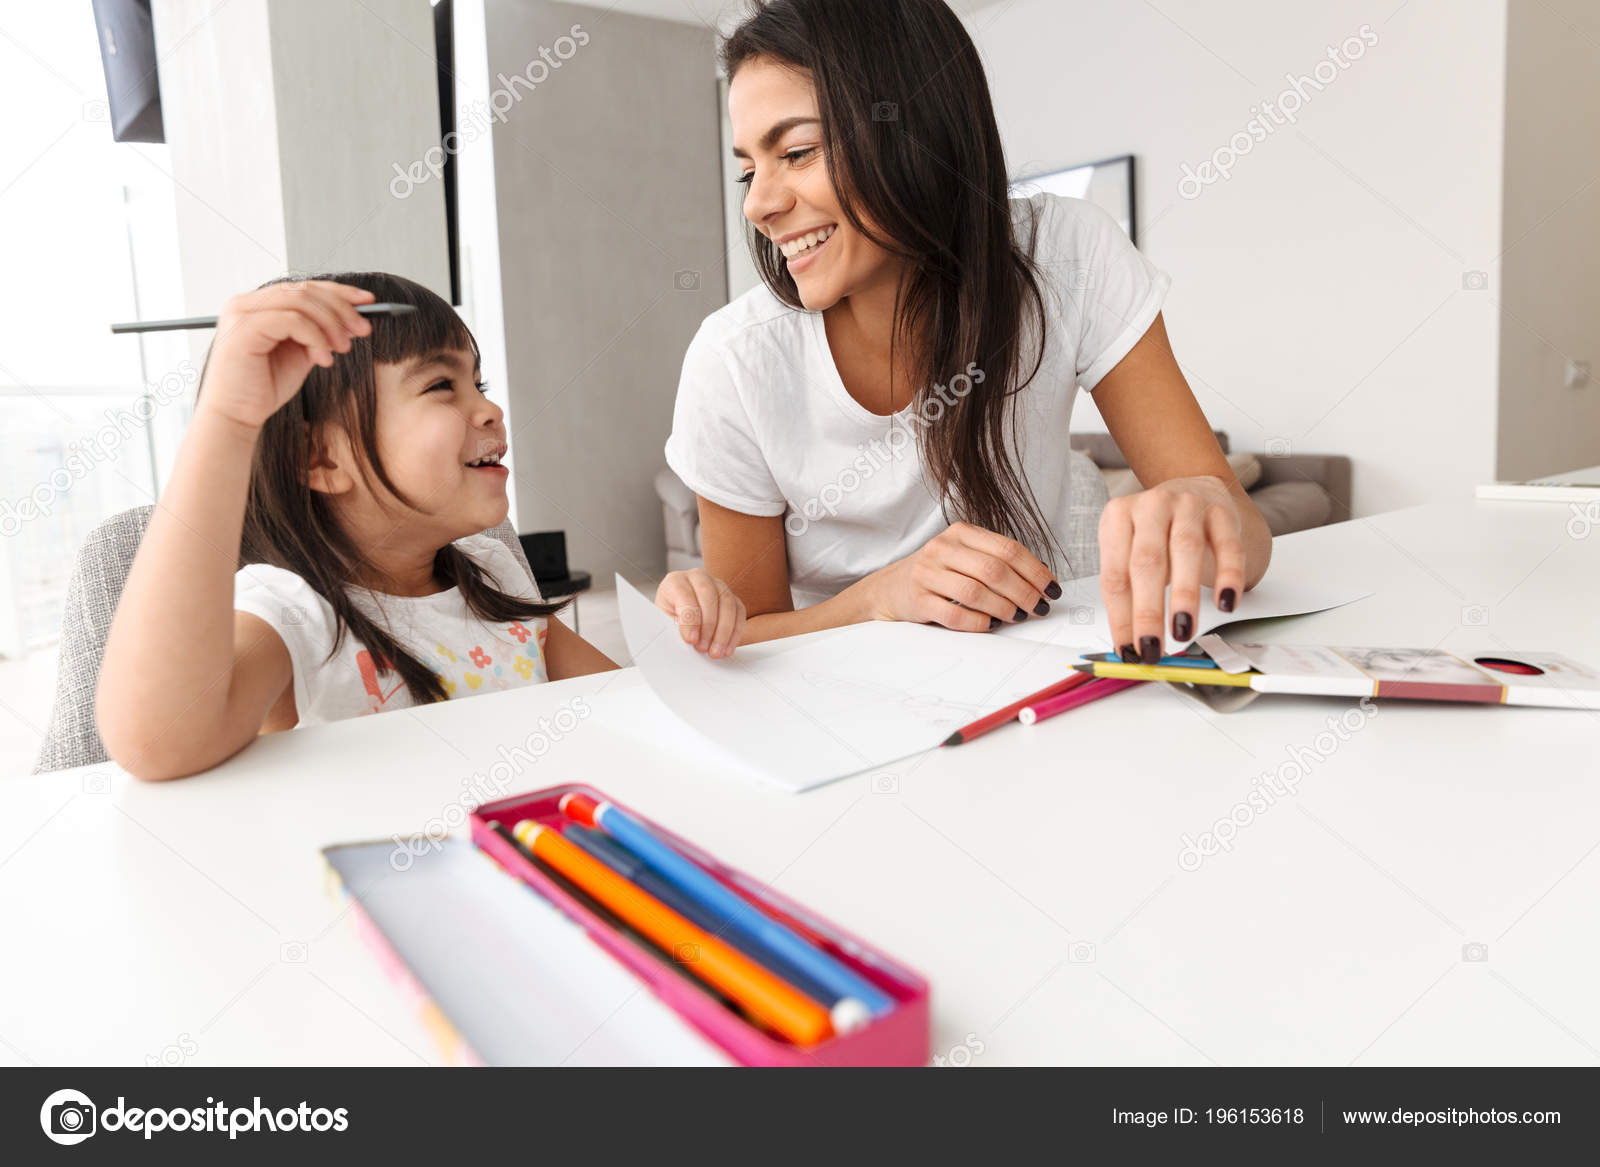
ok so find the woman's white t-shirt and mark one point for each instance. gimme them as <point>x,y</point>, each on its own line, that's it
<point>763,424</point>
<point>467,655</point>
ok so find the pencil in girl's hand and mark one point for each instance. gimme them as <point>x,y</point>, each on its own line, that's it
<point>211,321</point>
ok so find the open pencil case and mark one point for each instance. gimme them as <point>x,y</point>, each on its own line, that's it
<point>898,1036</point>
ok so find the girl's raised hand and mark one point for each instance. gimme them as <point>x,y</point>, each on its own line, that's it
<point>267,340</point>
<point>708,614</point>
<point>1179,532</point>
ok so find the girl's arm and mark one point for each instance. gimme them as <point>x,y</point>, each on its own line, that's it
<point>185,680</point>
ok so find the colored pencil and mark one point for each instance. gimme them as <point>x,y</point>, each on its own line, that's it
<point>735,911</point>
<point>1177,662</point>
<point>211,321</point>
<point>1071,700</point>
<point>610,918</point>
<point>1166,673</point>
<point>768,1000</point>
<point>847,1013</point>
<point>1001,716</point>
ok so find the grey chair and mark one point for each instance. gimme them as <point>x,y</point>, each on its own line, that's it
<point>98,575</point>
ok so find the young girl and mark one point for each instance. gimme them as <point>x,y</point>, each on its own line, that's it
<point>352,463</point>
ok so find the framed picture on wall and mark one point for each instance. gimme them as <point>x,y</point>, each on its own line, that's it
<point>1108,184</point>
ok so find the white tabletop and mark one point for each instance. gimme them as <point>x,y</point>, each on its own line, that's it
<point>1033,876</point>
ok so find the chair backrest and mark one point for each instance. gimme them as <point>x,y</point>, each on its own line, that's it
<point>98,576</point>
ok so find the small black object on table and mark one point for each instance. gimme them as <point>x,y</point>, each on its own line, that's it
<point>547,556</point>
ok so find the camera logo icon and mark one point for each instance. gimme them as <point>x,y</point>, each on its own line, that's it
<point>292,952</point>
<point>686,280</point>
<point>1080,614</point>
<point>885,111</point>
<point>68,1117</point>
<point>686,953</point>
<point>1474,281</point>
<point>1278,447</point>
<point>1475,952</point>
<point>1080,952</point>
<point>886,784</point>
<point>1474,615</point>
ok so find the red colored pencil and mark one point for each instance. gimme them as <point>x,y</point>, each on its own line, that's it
<point>1103,687</point>
<point>998,718</point>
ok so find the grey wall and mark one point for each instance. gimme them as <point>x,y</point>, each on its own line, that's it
<point>283,121</point>
<point>611,246</point>
<point>1549,298</point>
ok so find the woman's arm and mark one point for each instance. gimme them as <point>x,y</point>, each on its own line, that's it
<point>992,579</point>
<point>749,553</point>
<point>1192,524</point>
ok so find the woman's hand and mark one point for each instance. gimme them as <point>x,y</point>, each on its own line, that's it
<point>708,614</point>
<point>992,580</point>
<point>267,340</point>
<point>1179,532</point>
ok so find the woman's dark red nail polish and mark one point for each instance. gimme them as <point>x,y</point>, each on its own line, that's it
<point>1181,624</point>
<point>1042,608</point>
<point>1129,656</point>
<point>1149,650</point>
<point>1225,599</point>
<point>1053,591</point>
<point>1021,615</point>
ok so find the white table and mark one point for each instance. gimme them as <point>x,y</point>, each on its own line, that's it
<point>1032,876</point>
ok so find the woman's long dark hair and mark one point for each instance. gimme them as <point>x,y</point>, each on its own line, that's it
<point>914,152</point>
<point>287,524</point>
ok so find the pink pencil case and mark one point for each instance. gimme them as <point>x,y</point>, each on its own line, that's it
<point>899,1037</point>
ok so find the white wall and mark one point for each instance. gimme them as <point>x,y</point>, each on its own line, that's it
<point>1549,294</point>
<point>1318,294</point>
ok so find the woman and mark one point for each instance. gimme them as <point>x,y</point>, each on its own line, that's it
<point>882,429</point>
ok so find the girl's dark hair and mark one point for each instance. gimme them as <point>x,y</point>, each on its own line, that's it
<point>914,152</point>
<point>287,524</point>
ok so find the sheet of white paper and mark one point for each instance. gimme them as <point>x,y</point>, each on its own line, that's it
<point>1077,617</point>
<point>862,697</point>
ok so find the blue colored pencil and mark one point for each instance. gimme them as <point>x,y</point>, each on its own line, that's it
<point>736,913</point>
<point>622,861</point>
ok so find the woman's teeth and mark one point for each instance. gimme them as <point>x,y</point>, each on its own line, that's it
<point>803,244</point>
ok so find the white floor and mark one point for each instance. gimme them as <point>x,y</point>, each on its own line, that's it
<point>28,684</point>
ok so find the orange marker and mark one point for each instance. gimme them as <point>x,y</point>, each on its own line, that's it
<point>768,1000</point>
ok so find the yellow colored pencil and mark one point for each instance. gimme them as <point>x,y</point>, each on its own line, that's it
<point>1178,673</point>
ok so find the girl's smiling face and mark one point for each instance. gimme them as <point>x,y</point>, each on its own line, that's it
<point>789,192</point>
<point>442,442</point>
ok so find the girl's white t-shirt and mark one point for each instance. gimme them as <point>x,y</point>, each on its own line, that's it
<point>763,424</point>
<point>467,655</point>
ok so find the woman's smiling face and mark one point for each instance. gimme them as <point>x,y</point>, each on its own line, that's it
<point>789,192</point>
